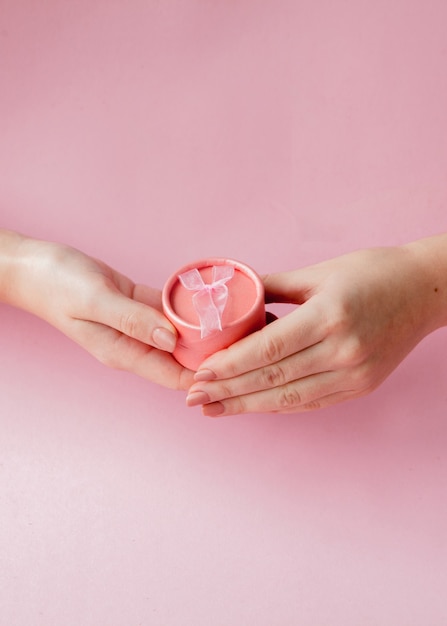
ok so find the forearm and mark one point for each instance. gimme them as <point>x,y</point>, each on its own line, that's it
<point>26,272</point>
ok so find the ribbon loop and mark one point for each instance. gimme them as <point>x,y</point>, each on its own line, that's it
<point>210,299</point>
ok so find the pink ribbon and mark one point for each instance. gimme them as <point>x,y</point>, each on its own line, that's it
<point>210,299</point>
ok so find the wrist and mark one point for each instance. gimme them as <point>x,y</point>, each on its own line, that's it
<point>11,259</point>
<point>430,258</point>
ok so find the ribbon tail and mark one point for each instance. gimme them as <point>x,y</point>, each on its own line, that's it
<point>220,297</point>
<point>209,314</point>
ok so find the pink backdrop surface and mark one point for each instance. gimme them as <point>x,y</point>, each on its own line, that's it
<point>280,133</point>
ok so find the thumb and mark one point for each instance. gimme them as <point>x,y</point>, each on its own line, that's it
<point>137,320</point>
<point>293,287</point>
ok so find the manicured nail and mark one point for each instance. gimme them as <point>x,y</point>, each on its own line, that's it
<point>213,410</point>
<point>164,339</point>
<point>204,375</point>
<point>197,397</point>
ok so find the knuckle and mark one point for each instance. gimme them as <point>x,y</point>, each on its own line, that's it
<point>227,391</point>
<point>228,365</point>
<point>309,406</point>
<point>339,319</point>
<point>241,405</point>
<point>273,376</point>
<point>273,349</point>
<point>289,397</point>
<point>236,406</point>
<point>314,405</point>
<point>223,391</point>
<point>129,324</point>
<point>353,352</point>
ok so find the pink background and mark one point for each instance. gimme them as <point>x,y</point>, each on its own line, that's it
<point>283,132</point>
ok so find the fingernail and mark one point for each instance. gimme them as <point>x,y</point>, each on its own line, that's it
<point>213,410</point>
<point>164,339</point>
<point>197,397</point>
<point>204,375</point>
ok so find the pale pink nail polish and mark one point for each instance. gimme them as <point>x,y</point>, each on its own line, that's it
<point>164,339</point>
<point>213,410</point>
<point>197,397</point>
<point>239,313</point>
<point>204,376</point>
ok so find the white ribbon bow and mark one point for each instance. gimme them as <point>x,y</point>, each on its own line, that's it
<point>210,299</point>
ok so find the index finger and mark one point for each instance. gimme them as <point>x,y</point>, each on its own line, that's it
<point>290,334</point>
<point>137,318</point>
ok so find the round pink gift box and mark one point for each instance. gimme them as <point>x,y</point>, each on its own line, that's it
<point>244,310</point>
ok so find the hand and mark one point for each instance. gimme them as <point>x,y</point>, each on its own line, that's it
<point>359,316</point>
<point>120,323</point>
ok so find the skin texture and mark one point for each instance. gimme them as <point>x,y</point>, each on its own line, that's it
<point>357,317</point>
<point>118,322</point>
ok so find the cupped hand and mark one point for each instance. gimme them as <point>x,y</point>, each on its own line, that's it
<point>117,321</point>
<point>357,317</point>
